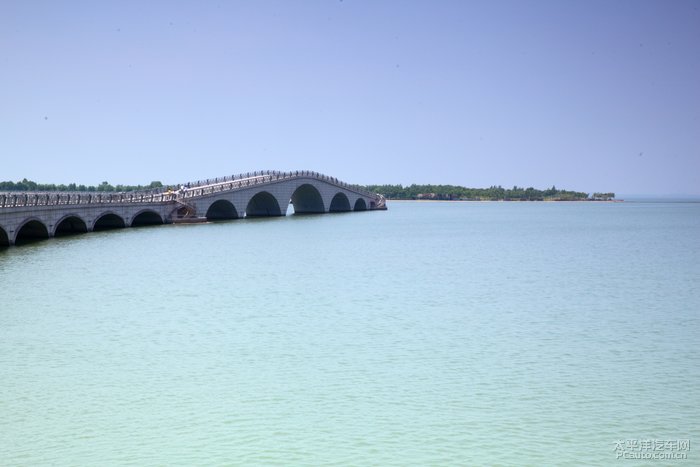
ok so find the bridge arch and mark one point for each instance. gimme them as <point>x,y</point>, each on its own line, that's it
<point>70,224</point>
<point>221,210</point>
<point>4,238</point>
<point>307,200</point>
<point>263,204</point>
<point>108,221</point>
<point>146,217</point>
<point>340,203</point>
<point>30,230</point>
<point>360,205</point>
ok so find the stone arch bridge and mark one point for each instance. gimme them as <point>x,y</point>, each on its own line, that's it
<point>30,216</point>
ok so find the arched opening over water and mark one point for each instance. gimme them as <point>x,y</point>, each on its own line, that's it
<point>307,200</point>
<point>31,231</point>
<point>263,204</point>
<point>146,218</point>
<point>340,203</point>
<point>221,210</point>
<point>109,221</point>
<point>70,225</point>
<point>4,239</point>
<point>360,205</point>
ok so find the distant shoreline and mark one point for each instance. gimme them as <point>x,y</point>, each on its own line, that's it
<point>492,193</point>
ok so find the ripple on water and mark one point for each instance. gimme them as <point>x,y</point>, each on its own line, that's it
<point>431,334</point>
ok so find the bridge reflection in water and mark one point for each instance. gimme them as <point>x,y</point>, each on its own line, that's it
<point>38,215</point>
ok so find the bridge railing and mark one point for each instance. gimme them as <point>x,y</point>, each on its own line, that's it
<point>248,179</point>
<point>22,199</point>
<point>186,190</point>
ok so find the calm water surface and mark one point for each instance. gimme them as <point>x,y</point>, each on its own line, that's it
<point>430,334</point>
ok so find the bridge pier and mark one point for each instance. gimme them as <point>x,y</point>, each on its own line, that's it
<point>5,240</point>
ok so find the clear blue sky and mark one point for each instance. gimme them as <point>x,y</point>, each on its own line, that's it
<point>587,95</point>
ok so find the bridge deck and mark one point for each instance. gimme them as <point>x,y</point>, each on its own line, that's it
<point>186,190</point>
<point>31,215</point>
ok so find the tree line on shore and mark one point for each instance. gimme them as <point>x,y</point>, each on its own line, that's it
<point>415,192</point>
<point>493,193</point>
<point>28,185</point>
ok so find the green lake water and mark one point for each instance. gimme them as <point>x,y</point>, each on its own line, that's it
<point>430,334</point>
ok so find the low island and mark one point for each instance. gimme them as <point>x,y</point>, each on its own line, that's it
<point>391,192</point>
<point>493,193</point>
